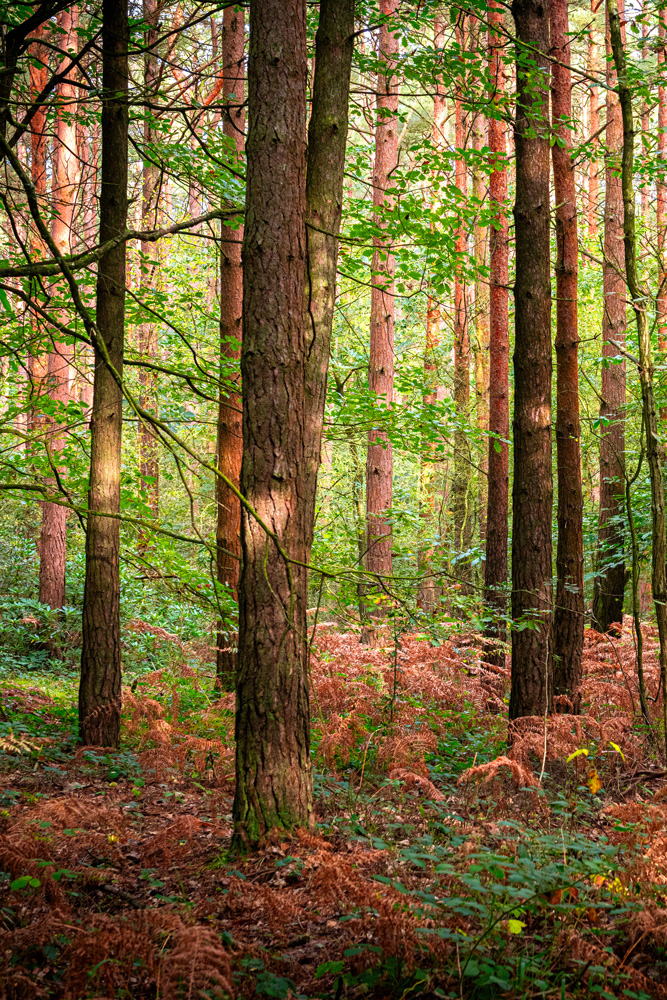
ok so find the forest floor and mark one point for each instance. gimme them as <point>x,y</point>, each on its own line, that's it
<point>443,862</point>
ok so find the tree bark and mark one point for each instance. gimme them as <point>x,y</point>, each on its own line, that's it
<point>593,128</point>
<point>661,187</point>
<point>230,423</point>
<point>66,175</point>
<point>99,691</point>
<point>38,70</point>
<point>639,298</point>
<point>497,517</point>
<point>273,769</point>
<point>568,628</point>
<point>481,327</point>
<point>379,461</point>
<point>462,458</point>
<point>610,581</point>
<point>149,460</point>
<point>532,495</point>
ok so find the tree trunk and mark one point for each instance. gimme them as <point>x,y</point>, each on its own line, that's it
<point>230,423</point>
<point>568,628</point>
<point>99,692</point>
<point>66,173</point>
<point>661,187</point>
<point>610,581</point>
<point>379,461</point>
<point>593,127</point>
<point>532,495</point>
<point>428,589</point>
<point>639,298</point>
<point>495,570</point>
<point>273,770</point>
<point>149,461</point>
<point>481,338</point>
<point>462,458</point>
<point>38,70</point>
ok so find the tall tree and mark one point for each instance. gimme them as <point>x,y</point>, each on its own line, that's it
<point>497,517</point>
<point>99,691</point>
<point>532,493</point>
<point>661,184</point>
<point>480,344</point>
<point>65,184</point>
<point>147,345</point>
<point>568,639</point>
<point>379,461</point>
<point>230,428</point>
<point>274,780</point>
<point>39,71</point>
<point>462,459</point>
<point>610,581</point>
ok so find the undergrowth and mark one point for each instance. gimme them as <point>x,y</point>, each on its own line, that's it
<point>451,858</point>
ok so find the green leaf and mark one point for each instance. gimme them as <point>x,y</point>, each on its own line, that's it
<point>329,968</point>
<point>515,926</point>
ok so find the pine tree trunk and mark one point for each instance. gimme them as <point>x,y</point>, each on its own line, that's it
<point>149,461</point>
<point>273,770</point>
<point>38,70</point>
<point>661,187</point>
<point>481,337</point>
<point>379,461</point>
<point>428,590</point>
<point>495,570</point>
<point>462,458</point>
<point>610,583</point>
<point>639,297</point>
<point>593,128</point>
<point>532,494</point>
<point>99,691</point>
<point>66,174</point>
<point>568,629</point>
<point>230,424</point>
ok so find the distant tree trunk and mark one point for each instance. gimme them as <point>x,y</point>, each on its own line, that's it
<point>568,628</point>
<point>273,770</point>
<point>149,460</point>
<point>495,570</point>
<point>481,336</point>
<point>594,125</point>
<point>427,588</point>
<point>379,461</point>
<point>38,70</point>
<point>327,140</point>
<point>639,296</point>
<point>610,582</point>
<point>661,187</point>
<point>462,458</point>
<point>532,494</point>
<point>99,691</point>
<point>230,423</point>
<point>66,174</point>
<point>645,114</point>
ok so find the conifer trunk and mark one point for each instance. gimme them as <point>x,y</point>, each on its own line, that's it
<point>661,187</point>
<point>230,423</point>
<point>610,582</point>
<point>569,610</point>
<point>99,691</point>
<point>461,484</point>
<point>38,70</point>
<point>532,495</point>
<point>379,461</point>
<point>65,184</point>
<point>593,127</point>
<point>273,770</point>
<point>495,569</point>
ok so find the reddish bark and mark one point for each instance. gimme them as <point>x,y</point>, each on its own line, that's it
<point>593,128</point>
<point>661,186</point>
<point>610,583</point>
<point>495,570</point>
<point>99,690</point>
<point>230,425</point>
<point>379,461</point>
<point>273,770</point>
<point>568,636</point>
<point>532,493</point>
<point>66,175</point>
<point>481,323</point>
<point>461,484</point>
<point>38,148</point>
